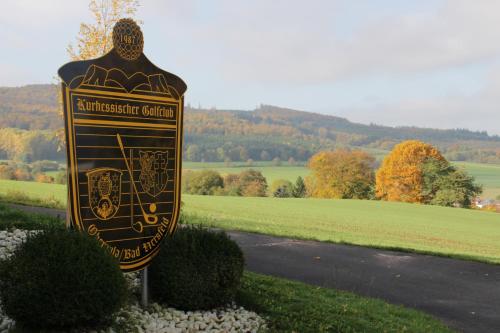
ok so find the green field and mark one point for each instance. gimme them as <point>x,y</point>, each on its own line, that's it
<point>34,190</point>
<point>456,232</point>
<point>486,174</point>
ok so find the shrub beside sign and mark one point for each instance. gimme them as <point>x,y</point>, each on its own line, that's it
<point>123,122</point>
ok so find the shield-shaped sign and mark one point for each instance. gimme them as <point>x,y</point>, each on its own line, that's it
<point>154,175</point>
<point>123,121</point>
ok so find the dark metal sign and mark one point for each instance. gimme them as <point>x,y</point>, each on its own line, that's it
<point>123,121</point>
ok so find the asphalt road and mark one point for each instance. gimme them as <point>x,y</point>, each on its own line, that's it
<point>465,295</point>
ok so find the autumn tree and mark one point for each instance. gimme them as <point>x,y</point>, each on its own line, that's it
<point>252,183</point>
<point>6,171</point>
<point>341,174</point>
<point>95,39</point>
<point>22,173</point>
<point>61,177</point>
<point>43,178</point>
<point>401,176</point>
<point>232,184</point>
<point>204,182</point>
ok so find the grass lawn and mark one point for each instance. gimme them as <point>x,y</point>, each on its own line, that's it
<point>462,233</point>
<point>39,194</point>
<point>486,174</point>
<point>296,307</point>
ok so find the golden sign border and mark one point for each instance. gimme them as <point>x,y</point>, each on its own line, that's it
<point>131,266</point>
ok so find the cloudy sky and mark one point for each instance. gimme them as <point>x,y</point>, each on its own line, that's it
<point>430,63</point>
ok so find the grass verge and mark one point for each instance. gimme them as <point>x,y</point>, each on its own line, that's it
<point>296,307</point>
<point>11,218</point>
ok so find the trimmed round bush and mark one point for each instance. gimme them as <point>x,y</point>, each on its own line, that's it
<point>196,269</point>
<point>60,279</point>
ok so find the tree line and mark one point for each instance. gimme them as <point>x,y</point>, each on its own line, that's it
<point>248,183</point>
<point>36,171</point>
<point>413,172</point>
<point>29,146</point>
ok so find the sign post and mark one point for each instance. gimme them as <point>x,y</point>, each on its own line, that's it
<point>123,121</point>
<point>144,287</point>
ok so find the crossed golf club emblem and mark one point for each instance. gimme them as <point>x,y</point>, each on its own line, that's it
<point>149,218</point>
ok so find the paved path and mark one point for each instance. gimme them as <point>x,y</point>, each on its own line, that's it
<point>463,294</point>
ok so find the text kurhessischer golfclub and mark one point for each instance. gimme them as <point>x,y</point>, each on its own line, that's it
<point>125,108</point>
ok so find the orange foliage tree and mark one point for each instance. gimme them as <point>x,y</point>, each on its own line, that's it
<point>400,178</point>
<point>341,174</point>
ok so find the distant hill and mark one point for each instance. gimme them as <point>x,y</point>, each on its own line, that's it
<point>265,133</point>
<point>268,132</point>
<point>30,107</point>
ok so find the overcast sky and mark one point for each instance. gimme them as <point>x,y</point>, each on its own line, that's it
<point>423,62</point>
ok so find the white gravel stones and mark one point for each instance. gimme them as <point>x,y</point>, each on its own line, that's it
<point>155,319</point>
<point>158,319</point>
<point>6,324</point>
<point>134,281</point>
<point>9,240</point>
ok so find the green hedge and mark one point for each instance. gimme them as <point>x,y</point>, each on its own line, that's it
<point>61,279</point>
<point>197,269</point>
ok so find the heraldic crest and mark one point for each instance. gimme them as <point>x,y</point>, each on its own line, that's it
<point>154,175</point>
<point>104,191</point>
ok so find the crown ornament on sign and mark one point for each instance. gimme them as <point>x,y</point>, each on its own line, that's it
<point>128,40</point>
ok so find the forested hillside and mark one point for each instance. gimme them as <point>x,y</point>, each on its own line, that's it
<point>269,132</point>
<point>32,107</point>
<point>265,133</point>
